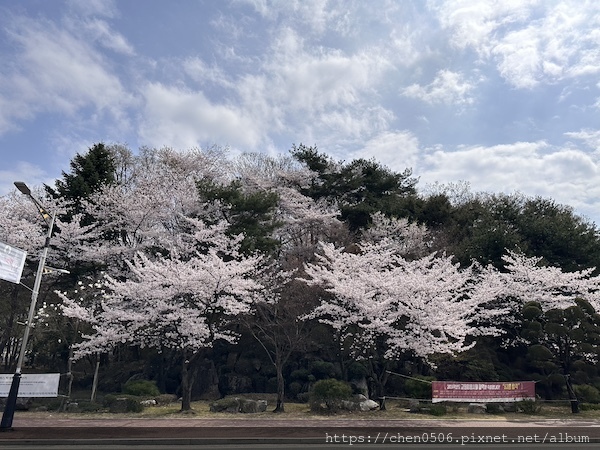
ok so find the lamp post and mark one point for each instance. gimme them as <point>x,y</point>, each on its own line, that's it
<point>11,401</point>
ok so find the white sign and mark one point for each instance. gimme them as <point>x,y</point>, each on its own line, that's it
<point>12,261</point>
<point>32,385</point>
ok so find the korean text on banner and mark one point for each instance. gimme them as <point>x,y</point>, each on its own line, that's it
<point>32,385</point>
<point>484,392</point>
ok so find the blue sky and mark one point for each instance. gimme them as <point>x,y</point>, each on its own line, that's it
<point>503,95</point>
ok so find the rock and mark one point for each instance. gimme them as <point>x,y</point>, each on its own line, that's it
<point>252,406</point>
<point>359,405</point>
<point>118,406</point>
<point>239,405</point>
<point>414,405</point>
<point>150,402</point>
<point>368,405</point>
<point>476,408</point>
<point>349,405</point>
<point>73,407</point>
<point>509,407</point>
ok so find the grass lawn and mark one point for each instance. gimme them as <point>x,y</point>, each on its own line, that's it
<point>299,411</point>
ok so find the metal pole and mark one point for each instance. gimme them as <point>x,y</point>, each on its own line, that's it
<point>11,401</point>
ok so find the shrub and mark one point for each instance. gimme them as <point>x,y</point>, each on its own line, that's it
<point>529,407</point>
<point>589,407</point>
<point>329,392</point>
<point>133,405</point>
<point>303,397</point>
<point>300,375</point>
<point>493,408</point>
<point>141,388</point>
<point>165,399</point>
<point>322,369</point>
<point>356,371</point>
<point>295,388</point>
<point>418,389</point>
<point>437,410</point>
<point>122,403</point>
<point>586,393</point>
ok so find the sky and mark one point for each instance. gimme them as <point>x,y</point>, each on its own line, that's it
<point>503,95</point>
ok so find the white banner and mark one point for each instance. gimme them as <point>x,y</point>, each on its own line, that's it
<point>32,385</point>
<point>12,261</point>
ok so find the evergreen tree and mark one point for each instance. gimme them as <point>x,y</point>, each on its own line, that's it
<point>88,173</point>
<point>250,213</point>
<point>360,188</point>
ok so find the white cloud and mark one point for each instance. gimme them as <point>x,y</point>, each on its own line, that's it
<point>106,8</point>
<point>448,88</point>
<point>475,22</point>
<point>530,41</point>
<point>568,175</point>
<point>200,72</point>
<point>397,150</point>
<point>56,71</point>
<point>591,138</point>
<point>101,31</point>
<point>315,15</point>
<point>185,119</point>
<point>23,171</point>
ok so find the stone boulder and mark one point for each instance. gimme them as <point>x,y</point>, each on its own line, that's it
<point>476,408</point>
<point>238,405</point>
<point>359,403</point>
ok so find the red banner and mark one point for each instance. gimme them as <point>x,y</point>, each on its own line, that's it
<point>482,392</point>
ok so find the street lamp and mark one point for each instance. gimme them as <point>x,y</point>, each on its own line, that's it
<point>11,401</point>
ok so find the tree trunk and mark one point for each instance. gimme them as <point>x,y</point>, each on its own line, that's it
<point>95,382</point>
<point>279,408</point>
<point>572,396</point>
<point>69,376</point>
<point>188,376</point>
<point>186,384</point>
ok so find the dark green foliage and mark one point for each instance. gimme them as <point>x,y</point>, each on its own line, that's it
<point>436,211</point>
<point>165,399</point>
<point>294,389</point>
<point>329,392</point>
<point>122,403</point>
<point>250,213</point>
<point>322,369</point>
<point>587,394</point>
<point>88,173</point>
<point>360,187</point>
<point>589,407</point>
<point>483,227</point>
<point>493,408</point>
<point>415,388</point>
<point>567,340</point>
<point>356,371</point>
<point>300,375</point>
<point>477,364</point>
<point>141,388</point>
<point>529,407</point>
<point>438,410</point>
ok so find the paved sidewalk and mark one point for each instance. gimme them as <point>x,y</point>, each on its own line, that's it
<point>73,431</point>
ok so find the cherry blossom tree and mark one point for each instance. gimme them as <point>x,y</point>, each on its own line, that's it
<point>409,239</point>
<point>177,301</point>
<point>302,222</point>
<point>528,279</point>
<point>391,306</point>
<point>148,209</point>
<point>275,321</point>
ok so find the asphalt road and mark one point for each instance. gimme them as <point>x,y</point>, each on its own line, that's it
<point>304,446</point>
<point>306,434</point>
